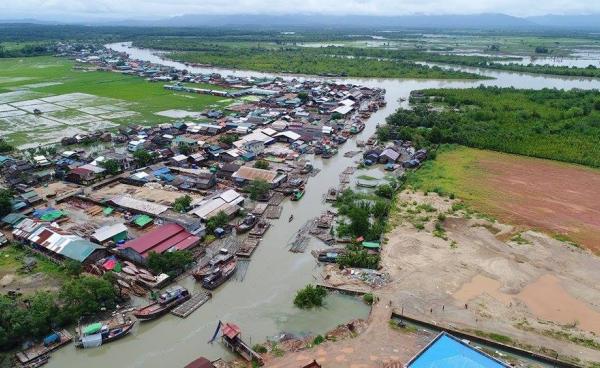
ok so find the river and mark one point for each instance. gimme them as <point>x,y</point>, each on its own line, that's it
<point>262,304</point>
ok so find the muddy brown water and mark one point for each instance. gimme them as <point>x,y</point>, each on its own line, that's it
<point>262,303</point>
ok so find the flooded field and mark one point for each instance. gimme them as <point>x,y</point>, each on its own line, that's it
<point>261,304</point>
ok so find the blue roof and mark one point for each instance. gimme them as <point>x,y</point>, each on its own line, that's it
<point>446,351</point>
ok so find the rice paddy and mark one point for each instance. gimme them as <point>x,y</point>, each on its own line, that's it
<point>43,99</point>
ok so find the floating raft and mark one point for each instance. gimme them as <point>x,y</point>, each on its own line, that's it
<point>191,305</point>
<point>40,350</point>
<point>248,247</point>
<point>274,212</point>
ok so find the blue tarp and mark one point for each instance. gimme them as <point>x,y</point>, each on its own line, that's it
<point>449,352</point>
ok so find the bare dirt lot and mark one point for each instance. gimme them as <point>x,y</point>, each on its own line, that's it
<point>531,290</point>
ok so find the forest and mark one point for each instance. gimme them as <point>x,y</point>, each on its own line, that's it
<point>553,124</point>
<point>313,61</point>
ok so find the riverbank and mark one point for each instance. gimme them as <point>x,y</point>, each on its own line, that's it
<point>538,296</point>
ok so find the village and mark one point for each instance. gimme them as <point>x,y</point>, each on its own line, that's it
<point>209,184</point>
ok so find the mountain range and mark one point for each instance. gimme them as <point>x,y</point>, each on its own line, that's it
<point>471,21</point>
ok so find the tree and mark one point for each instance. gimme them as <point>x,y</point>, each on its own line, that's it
<point>182,204</point>
<point>359,221</point>
<point>171,263</point>
<point>303,96</point>
<point>5,147</point>
<point>143,157</point>
<point>385,191</point>
<point>310,296</point>
<point>258,188</point>
<point>261,164</point>
<point>184,149</point>
<point>220,220</point>
<point>86,295</point>
<point>228,139</point>
<point>5,202</point>
<point>73,268</point>
<point>111,166</point>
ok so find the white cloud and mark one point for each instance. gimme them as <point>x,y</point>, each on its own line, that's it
<point>165,8</point>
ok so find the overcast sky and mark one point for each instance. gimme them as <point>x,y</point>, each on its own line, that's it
<point>165,8</point>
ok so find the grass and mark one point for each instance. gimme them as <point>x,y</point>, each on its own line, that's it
<point>145,98</point>
<point>11,260</point>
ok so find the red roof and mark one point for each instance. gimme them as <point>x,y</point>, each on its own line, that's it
<point>231,330</point>
<point>200,363</point>
<point>162,239</point>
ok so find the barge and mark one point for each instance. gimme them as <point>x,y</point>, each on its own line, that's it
<point>170,299</point>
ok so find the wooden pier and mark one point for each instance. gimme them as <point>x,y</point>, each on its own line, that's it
<point>191,305</point>
<point>248,247</point>
<point>40,350</point>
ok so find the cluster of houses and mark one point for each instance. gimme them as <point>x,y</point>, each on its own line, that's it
<point>394,155</point>
<point>212,156</point>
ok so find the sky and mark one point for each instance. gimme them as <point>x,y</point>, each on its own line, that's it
<point>119,9</point>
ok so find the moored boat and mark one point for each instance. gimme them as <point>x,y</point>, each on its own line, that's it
<point>101,333</point>
<point>247,223</point>
<point>221,258</point>
<point>220,275</point>
<point>297,194</point>
<point>168,300</point>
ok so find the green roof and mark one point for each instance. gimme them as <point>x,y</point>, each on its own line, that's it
<point>78,249</point>
<point>13,218</point>
<point>142,220</point>
<point>107,211</point>
<point>371,245</point>
<point>52,215</point>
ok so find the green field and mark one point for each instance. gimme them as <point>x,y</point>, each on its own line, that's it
<point>40,77</point>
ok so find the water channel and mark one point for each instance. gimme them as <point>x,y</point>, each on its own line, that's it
<point>262,303</point>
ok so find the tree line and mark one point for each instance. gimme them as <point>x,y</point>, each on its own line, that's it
<point>553,124</point>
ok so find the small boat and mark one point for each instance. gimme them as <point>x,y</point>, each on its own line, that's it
<point>221,258</point>
<point>168,300</point>
<point>220,275</point>
<point>131,266</point>
<point>297,194</point>
<point>38,362</point>
<point>101,333</point>
<point>129,271</point>
<point>332,194</point>
<point>147,277</point>
<point>291,218</point>
<point>247,223</point>
<point>307,168</point>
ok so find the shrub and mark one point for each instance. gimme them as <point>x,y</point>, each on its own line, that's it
<point>368,298</point>
<point>309,297</point>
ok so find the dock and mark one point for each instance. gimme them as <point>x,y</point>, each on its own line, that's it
<point>40,350</point>
<point>191,305</point>
<point>248,247</point>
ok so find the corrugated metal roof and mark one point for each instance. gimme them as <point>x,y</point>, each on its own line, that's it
<point>162,239</point>
<point>139,205</point>
<point>251,173</point>
<point>106,232</point>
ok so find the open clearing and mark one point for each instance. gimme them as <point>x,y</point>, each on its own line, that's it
<point>559,198</point>
<point>532,291</point>
<point>78,101</point>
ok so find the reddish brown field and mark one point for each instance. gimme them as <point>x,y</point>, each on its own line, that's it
<point>560,198</point>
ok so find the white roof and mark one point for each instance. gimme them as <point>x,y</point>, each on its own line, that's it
<point>203,210</point>
<point>347,102</point>
<point>289,134</point>
<point>230,195</point>
<point>270,131</point>
<point>180,158</point>
<point>108,231</point>
<point>343,109</point>
<point>139,205</point>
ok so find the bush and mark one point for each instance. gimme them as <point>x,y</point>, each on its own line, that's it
<point>258,188</point>
<point>368,298</point>
<point>259,348</point>
<point>318,340</point>
<point>220,220</point>
<point>171,263</point>
<point>358,258</point>
<point>182,204</point>
<point>262,164</point>
<point>309,297</point>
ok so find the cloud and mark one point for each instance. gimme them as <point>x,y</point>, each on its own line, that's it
<point>154,8</point>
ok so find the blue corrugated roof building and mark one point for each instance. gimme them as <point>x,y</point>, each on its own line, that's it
<point>446,351</point>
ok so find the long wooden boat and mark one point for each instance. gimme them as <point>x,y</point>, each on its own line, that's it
<point>247,223</point>
<point>101,333</point>
<point>171,298</point>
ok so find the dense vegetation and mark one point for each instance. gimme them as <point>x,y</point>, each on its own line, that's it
<point>314,61</point>
<point>589,71</point>
<point>182,203</point>
<point>366,214</point>
<point>25,50</point>
<point>171,263</point>
<point>258,188</point>
<point>219,220</point>
<point>310,296</point>
<point>553,124</point>
<point>35,316</point>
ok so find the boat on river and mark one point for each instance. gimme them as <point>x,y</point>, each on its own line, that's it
<point>297,194</point>
<point>168,300</point>
<point>220,259</point>
<point>220,275</point>
<point>247,223</point>
<point>100,333</point>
